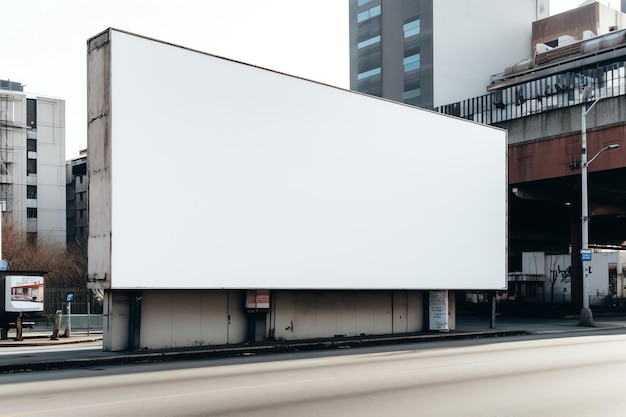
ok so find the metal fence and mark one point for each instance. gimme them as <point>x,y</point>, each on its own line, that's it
<point>541,95</point>
<point>84,301</point>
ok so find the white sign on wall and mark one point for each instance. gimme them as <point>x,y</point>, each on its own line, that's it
<point>438,310</point>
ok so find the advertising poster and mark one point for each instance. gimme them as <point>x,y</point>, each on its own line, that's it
<point>24,293</point>
<point>438,309</point>
<point>258,300</point>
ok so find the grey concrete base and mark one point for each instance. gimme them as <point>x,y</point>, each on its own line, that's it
<point>586,318</point>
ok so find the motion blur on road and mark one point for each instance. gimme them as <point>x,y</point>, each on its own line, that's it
<point>517,376</point>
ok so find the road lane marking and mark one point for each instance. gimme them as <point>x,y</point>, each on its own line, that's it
<point>163,397</point>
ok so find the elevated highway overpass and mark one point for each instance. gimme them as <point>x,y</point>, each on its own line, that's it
<point>545,182</point>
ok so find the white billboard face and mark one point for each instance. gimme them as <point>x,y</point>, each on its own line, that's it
<point>23,293</point>
<point>225,175</point>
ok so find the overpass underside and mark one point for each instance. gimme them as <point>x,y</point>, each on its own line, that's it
<point>545,215</point>
<point>545,183</point>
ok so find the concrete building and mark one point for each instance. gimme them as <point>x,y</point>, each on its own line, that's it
<point>32,162</point>
<point>540,104</point>
<point>300,221</point>
<point>77,200</point>
<point>430,53</point>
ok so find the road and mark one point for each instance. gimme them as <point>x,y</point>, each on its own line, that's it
<point>575,376</point>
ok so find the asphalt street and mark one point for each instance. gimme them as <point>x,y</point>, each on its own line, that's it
<point>562,373</point>
<point>42,354</point>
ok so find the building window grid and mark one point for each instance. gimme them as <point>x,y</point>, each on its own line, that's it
<point>368,42</point>
<point>368,14</point>
<point>31,166</point>
<point>411,62</point>
<point>411,96</point>
<point>367,74</point>
<point>31,192</point>
<point>411,28</point>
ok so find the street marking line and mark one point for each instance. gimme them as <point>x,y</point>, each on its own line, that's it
<point>171,396</point>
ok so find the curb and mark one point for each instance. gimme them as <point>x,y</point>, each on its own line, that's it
<point>240,350</point>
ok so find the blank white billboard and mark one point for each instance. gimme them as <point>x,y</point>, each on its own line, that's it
<point>226,175</point>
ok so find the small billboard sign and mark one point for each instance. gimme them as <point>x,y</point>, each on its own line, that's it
<point>24,293</point>
<point>585,255</point>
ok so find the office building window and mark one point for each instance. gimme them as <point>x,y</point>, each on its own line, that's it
<point>411,62</point>
<point>411,97</point>
<point>31,145</point>
<point>368,14</point>
<point>367,74</point>
<point>362,2</point>
<point>31,166</point>
<point>31,213</point>
<point>368,42</point>
<point>31,191</point>
<point>31,113</point>
<point>412,28</point>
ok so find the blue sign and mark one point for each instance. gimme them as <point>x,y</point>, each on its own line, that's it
<point>4,265</point>
<point>585,255</point>
<point>70,297</point>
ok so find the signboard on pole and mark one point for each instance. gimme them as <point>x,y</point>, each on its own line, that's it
<point>24,293</point>
<point>585,255</point>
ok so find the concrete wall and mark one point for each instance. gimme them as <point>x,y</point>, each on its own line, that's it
<point>99,165</point>
<point>558,268</point>
<point>465,31</point>
<point>302,315</point>
<point>185,318</point>
<point>543,145</point>
<point>564,121</point>
<point>115,321</point>
<point>192,318</point>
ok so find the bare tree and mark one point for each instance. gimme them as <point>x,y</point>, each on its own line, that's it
<point>66,266</point>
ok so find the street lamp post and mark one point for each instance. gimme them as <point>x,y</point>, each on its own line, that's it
<point>586,317</point>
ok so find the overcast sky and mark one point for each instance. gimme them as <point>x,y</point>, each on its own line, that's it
<point>43,42</point>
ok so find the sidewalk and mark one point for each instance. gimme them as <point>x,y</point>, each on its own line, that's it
<point>467,327</point>
<point>42,338</point>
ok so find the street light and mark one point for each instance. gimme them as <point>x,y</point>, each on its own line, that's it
<point>586,317</point>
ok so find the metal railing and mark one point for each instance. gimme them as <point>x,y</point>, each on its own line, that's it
<point>542,95</point>
<point>84,301</point>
